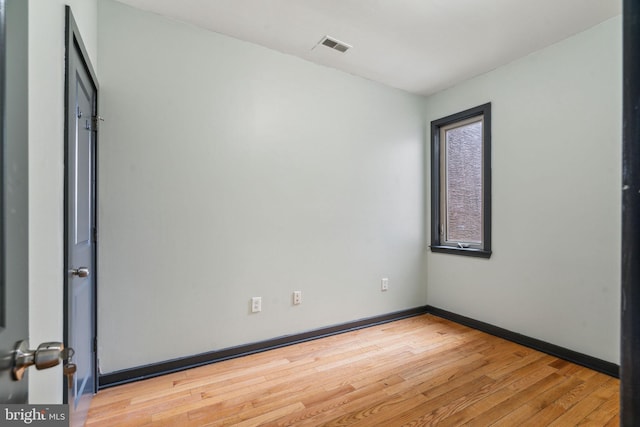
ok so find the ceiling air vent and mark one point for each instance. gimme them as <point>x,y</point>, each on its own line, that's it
<point>335,44</point>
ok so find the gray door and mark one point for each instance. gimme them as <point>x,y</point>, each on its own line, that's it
<point>14,310</point>
<point>80,298</point>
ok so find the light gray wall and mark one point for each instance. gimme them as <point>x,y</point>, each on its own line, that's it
<point>228,171</point>
<point>555,271</point>
<point>46,179</point>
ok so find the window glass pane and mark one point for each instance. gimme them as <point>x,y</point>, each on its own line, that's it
<point>464,183</point>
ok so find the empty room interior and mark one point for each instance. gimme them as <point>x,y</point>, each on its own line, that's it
<point>261,188</point>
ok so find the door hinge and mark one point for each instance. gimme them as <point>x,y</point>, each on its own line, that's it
<point>95,122</point>
<point>95,345</point>
<point>95,234</point>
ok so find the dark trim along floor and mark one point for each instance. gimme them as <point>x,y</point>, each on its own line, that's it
<point>156,369</point>
<point>563,353</point>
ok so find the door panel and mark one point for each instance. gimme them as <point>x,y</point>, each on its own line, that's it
<point>80,252</point>
<point>14,310</point>
<point>80,245</point>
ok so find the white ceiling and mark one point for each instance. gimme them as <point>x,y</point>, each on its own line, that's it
<point>421,46</point>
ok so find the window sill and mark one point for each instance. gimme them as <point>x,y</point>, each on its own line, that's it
<point>478,253</point>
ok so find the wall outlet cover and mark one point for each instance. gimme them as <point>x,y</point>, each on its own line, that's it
<point>256,304</point>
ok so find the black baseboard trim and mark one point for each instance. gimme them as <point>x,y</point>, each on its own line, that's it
<point>590,362</point>
<point>156,369</point>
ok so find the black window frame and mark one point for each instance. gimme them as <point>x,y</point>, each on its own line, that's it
<point>437,243</point>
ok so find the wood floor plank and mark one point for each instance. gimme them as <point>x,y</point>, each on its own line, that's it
<point>604,413</point>
<point>504,408</point>
<point>159,404</point>
<point>523,378</point>
<point>589,405</point>
<point>551,412</point>
<point>419,371</point>
<point>615,421</point>
<point>449,411</point>
<point>534,409</point>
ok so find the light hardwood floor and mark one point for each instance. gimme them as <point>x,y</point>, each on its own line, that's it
<point>412,372</point>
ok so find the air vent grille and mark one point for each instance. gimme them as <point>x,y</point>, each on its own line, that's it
<point>335,44</point>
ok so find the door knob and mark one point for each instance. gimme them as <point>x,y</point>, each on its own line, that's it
<point>80,272</point>
<point>47,355</point>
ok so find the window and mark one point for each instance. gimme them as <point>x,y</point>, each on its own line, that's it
<point>461,183</point>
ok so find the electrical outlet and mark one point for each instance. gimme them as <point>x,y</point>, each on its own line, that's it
<point>384,284</point>
<point>297,297</point>
<point>256,304</point>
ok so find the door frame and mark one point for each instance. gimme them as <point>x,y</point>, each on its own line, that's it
<point>630,307</point>
<point>14,273</point>
<point>73,40</point>
<point>3,42</point>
